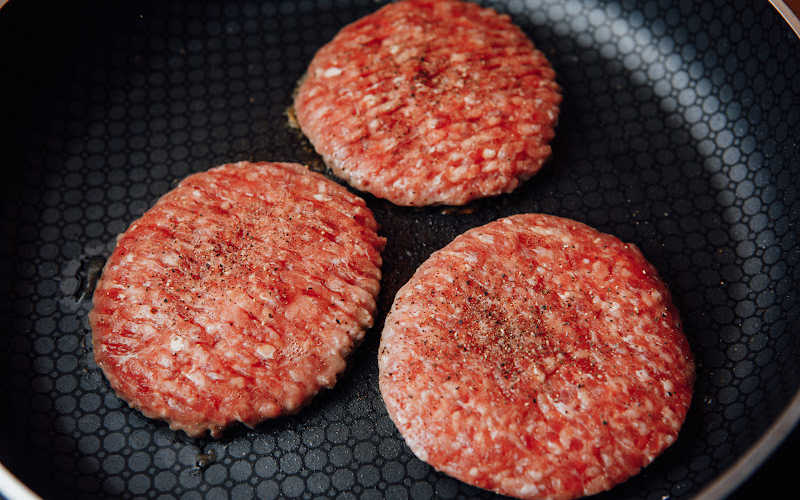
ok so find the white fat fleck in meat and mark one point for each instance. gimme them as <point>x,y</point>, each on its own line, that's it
<point>545,255</point>
<point>553,447</point>
<point>336,285</point>
<point>561,407</point>
<point>388,144</point>
<point>332,72</point>
<point>265,351</point>
<point>176,344</point>
<point>369,101</point>
<point>143,329</point>
<point>491,166</point>
<point>613,309</point>
<point>456,156</point>
<point>197,378</point>
<point>164,361</point>
<point>669,417</point>
<point>171,259</point>
<point>651,298</point>
<point>585,400</point>
<point>175,405</point>
<point>400,182</point>
<point>566,295</point>
<point>326,380</point>
<point>486,238</point>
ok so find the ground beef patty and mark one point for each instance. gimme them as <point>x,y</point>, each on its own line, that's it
<point>237,296</point>
<point>430,102</point>
<point>536,357</point>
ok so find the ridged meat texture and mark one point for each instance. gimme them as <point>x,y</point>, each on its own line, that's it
<point>430,102</point>
<point>237,296</point>
<point>536,357</point>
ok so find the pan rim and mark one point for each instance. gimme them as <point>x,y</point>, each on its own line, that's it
<point>725,484</point>
<point>12,487</point>
<point>755,456</point>
<point>789,13</point>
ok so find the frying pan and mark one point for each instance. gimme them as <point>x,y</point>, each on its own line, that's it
<point>678,132</point>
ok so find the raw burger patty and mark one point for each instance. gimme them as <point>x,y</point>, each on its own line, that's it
<point>536,357</point>
<point>430,102</point>
<point>237,296</point>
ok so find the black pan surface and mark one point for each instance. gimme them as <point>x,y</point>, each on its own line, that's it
<point>678,132</point>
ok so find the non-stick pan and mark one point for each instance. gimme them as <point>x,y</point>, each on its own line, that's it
<point>678,132</point>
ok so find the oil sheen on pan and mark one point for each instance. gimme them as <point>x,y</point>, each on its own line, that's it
<point>237,297</point>
<point>536,357</point>
<point>430,102</point>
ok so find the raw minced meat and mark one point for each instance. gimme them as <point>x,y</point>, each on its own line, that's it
<point>237,296</point>
<point>536,357</point>
<point>430,102</point>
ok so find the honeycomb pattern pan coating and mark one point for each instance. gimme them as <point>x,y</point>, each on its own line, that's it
<point>678,132</point>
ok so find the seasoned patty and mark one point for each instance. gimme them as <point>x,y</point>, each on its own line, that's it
<point>237,296</point>
<point>430,102</point>
<point>536,357</point>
